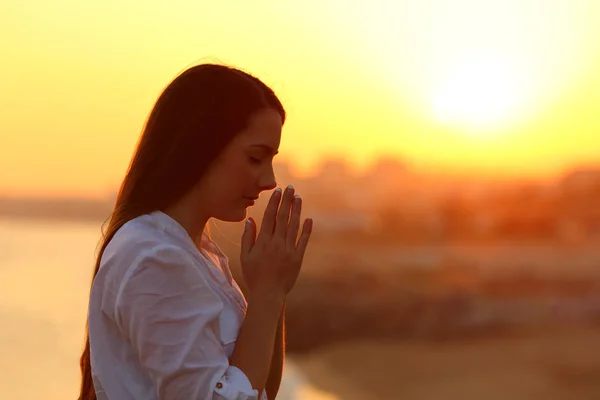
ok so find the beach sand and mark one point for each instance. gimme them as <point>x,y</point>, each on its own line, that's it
<point>558,364</point>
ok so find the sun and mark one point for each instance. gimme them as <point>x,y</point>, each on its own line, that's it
<point>482,69</point>
<point>477,93</point>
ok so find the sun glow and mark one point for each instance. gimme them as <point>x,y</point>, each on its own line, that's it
<point>478,67</point>
<point>470,85</point>
<point>478,93</point>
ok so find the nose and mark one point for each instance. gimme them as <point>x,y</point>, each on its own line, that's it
<point>268,181</point>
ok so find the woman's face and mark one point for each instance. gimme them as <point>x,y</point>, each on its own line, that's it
<point>243,170</point>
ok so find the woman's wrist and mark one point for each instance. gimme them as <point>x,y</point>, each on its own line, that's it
<point>267,300</point>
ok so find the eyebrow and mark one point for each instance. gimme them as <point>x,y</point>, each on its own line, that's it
<point>269,149</point>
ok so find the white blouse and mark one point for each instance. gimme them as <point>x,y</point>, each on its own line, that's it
<point>164,317</point>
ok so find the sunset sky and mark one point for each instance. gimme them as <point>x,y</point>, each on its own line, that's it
<point>502,87</point>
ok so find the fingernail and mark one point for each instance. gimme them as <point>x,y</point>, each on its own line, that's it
<point>297,197</point>
<point>278,190</point>
<point>290,187</point>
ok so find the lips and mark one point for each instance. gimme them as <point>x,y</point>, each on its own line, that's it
<point>250,200</point>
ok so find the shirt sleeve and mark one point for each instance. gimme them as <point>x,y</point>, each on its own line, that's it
<point>169,313</point>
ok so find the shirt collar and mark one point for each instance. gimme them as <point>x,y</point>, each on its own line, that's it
<point>174,229</point>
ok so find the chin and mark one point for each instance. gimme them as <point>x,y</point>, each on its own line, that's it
<point>233,216</point>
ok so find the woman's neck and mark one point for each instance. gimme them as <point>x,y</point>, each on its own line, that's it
<point>189,217</point>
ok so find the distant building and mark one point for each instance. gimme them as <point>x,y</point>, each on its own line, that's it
<point>581,179</point>
<point>283,173</point>
<point>331,221</point>
<point>580,204</point>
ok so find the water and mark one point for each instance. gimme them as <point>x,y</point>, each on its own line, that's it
<point>45,269</point>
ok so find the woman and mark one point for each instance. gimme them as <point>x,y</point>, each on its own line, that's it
<point>166,319</point>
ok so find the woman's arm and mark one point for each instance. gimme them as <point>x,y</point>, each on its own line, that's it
<point>270,264</point>
<point>254,348</point>
<point>167,310</point>
<point>278,360</point>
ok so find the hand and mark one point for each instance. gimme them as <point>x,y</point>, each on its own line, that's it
<point>271,263</point>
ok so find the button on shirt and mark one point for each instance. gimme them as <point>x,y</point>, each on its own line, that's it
<point>164,317</point>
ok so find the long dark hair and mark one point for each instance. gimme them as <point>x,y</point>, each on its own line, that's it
<point>194,118</point>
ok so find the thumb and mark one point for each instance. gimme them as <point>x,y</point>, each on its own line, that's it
<point>249,236</point>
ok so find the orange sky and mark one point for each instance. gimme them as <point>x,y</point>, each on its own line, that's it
<point>508,86</point>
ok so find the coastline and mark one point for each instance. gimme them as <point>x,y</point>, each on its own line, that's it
<point>557,363</point>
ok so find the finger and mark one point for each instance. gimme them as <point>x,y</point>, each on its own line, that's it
<point>292,233</point>
<point>304,237</point>
<point>268,223</point>
<point>283,215</point>
<point>249,236</point>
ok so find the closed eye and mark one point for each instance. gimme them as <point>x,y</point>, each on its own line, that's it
<point>255,160</point>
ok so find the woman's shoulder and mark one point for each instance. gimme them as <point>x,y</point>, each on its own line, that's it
<point>140,250</point>
<point>137,240</point>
